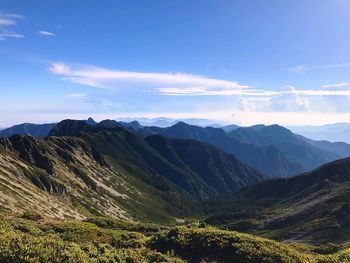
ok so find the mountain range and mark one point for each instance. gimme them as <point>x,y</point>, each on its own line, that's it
<point>36,130</point>
<point>273,150</point>
<point>81,170</point>
<point>121,187</point>
<point>337,132</point>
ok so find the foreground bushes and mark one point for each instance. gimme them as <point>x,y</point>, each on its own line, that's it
<point>210,244</point>
<point>17,247</point>
<point>72,241</point>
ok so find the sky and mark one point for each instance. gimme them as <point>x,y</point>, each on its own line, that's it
<point>232,61</point>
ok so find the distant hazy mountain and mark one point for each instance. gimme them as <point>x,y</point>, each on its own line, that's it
<point>36,130</point>
<point>273,150</point>
<point>297,149</point>
<point>166,122</point>
<point>228,128</point>
<point>340,148</point>
<point>338,132</point>
<point>267,159</point>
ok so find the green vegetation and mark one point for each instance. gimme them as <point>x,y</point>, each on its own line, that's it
<point>110,240</point>
<point>73,241</point>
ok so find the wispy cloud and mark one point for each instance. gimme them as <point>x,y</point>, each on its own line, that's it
<point>163,82</point>
<point>207,91</point>
<point>46,33</point>
<point>303,68</point>
<point>8,21</point>
<point>286,90</point>
<point>338,85</point>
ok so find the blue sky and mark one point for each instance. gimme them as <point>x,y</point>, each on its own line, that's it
<point>243,62</point>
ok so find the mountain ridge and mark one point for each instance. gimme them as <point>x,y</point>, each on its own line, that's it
<point>95,170</point>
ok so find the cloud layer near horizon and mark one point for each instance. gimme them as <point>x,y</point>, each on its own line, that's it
<point>244,100</point>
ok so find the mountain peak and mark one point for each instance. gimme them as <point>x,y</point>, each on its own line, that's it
<point>90,121</point>
<point>181,124</point>
<point>68,128</point>
<point>109,124</point>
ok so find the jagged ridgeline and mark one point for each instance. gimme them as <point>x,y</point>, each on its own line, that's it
<point>81,170</point>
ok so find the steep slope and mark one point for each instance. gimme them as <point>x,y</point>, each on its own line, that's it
<point>297,149</point>
<point>268,160</point>
<point>222,173</point>
<point>65,177</point>
<point>312,207</point>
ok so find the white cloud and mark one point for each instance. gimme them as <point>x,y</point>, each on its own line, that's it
<point>46,33</point>
<point>290,100</point>
<point>117,79</point>
<point>179,84</point>
<point>60,69</point>
<point>7,21</point>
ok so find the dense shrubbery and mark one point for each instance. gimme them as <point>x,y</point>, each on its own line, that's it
<point>145,228</point>
<point>106,240</point>
<point>210,244</point>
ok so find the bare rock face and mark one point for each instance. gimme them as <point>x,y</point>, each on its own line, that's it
<point>48,184</point>
<point>30,151</point>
